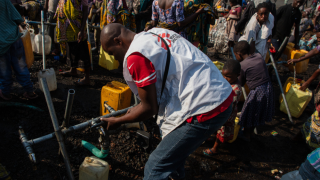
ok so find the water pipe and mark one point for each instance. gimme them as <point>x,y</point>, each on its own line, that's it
<point>56,127</point>
<point>76,127</point>
<point>16,104</point>
<point>27,146</point>
<point>54,24</point>
<point>42,31</point>
<point>279,81</point>
<point>69,104</point>
<point>91,61</point>
<point>95,151</point>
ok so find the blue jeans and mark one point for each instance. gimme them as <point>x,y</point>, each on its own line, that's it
<point>169,157</point>
<point>14,59</point>
<point>307,171</point>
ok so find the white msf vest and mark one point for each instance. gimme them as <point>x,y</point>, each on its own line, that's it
<point>194,84</point>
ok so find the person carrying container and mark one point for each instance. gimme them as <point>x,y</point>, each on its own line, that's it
<point>196,99</point>
<point>286,16</point>
<point>12,56</point>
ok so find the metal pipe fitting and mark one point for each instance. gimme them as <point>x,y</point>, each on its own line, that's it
<point>68,110</point>
<point>56,127</point>
<point>109,108</point>
<point>27,146</point>
<point>42,30</point>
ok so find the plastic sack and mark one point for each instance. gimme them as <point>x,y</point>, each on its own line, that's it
<point>218,37</point>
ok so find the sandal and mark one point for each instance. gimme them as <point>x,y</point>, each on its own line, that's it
<point>26,95</point>
<point>81,83</point>
<point>7,98</point>
<point>210,155</point>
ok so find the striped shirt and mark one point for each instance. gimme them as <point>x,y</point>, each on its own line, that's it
<point>314,159</point>
<point>9,18</point>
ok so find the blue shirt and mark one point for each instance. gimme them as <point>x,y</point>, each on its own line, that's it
<point>9,18</point>
<point>314,159</point>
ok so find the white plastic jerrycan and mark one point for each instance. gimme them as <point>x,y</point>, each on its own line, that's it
<point>38,44</point>
<point>94,168</point>
<point>50,76</point>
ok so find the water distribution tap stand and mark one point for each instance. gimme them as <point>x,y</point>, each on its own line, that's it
<point>58,131</point>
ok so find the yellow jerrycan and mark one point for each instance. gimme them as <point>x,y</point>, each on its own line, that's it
<point>301,66</point>
<point>288,84</point>
<point>117,95</point>
<point>93,168</point>
<point>26,41</point>
<point>219,65</point>
<point>297,100</point>
<point>106,61</point>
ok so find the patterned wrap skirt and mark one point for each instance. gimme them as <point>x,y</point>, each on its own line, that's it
<point>259,106</point>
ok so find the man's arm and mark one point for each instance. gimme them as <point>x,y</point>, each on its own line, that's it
<point>146,109</point>
<point>308,82</point>
<point>309,55</point>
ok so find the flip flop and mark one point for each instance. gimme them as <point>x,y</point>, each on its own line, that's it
<point>80,83</point>
<point>210,155</point>
<point>4,97</point>
<point>30,97</point>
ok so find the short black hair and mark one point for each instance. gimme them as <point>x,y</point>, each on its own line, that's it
<point>234,1</point>
<point>243,47</point>
<point>263,5</point>
<point>232,66</point>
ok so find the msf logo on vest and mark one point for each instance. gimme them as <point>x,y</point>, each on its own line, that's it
<point>169,38</point>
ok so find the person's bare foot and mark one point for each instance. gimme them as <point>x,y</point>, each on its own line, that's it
<point>83,82</point>
<point>210,152</point>
<point>71,72</point>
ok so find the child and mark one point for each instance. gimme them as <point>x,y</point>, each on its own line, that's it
<point>259,106</point>
<point>230,72</point>
<point>232,19</point>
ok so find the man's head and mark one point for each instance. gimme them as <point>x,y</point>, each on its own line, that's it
<point>297,3</point>
<point>241,49</point>
<point>231,71</point>
<point>115,40</point>
<point>304,14</point>
<point>318,37</point>
<point>263,11</point>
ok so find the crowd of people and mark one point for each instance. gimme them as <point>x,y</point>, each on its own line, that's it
<point>162,45</point>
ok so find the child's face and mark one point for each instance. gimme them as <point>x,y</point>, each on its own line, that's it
<point>229,76</point>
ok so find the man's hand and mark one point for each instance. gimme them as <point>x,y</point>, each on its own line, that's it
<point>80,36</point>
<point>304,86</point>
<point>112,123</point>
<point>291,61</point>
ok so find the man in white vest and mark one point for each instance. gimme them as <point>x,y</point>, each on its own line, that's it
<point>196,100</point>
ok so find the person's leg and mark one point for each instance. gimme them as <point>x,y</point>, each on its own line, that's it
<point>18,63</point>
<point>56,46</point>
<point>291,39</point>
<point>171,153</point>
<point>72,51</point>
<point>214,149</point>
<point>83,55</point>
<point>5,75</point>
<point>307,171</point>
<point>96,40</point>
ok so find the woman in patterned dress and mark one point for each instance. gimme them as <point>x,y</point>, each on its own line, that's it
<point>230,71</point>
<point>169,14</point>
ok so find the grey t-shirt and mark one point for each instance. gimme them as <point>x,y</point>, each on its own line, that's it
<point>253,71</point>
<point>52,5</point>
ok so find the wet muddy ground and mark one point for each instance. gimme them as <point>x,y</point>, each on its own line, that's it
<point>238,160</point>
